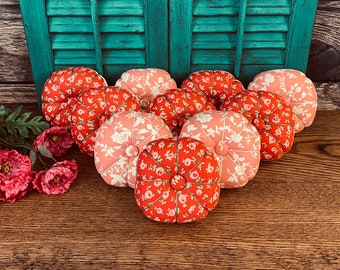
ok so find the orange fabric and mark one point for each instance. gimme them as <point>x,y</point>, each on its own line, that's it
<point>216,85</point>
<point>177,180</point>
<point>177,105</point>
<point>61,90</point>
<point>273,118</point>
<point>93,107</point>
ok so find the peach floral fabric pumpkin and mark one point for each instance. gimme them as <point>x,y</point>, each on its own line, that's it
<point>119,142</point>
<point>297,90</point>
<point>177,105</point>
<point>217,85</point>
<point>61,90</point>
<point>93,107</point>
<point>146,83</point>
<point>234,141</point>
<point>177,180</point>
<point>273,118</point>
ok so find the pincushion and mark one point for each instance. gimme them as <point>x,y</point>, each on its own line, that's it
<point>62,88</point>
<point>119,141</point>
<point>234,141</point>
<point>273,118</point>
<point>93,107</point>
<point>146,83</point>
<point>177,105</point>
<point>217,85</point>
<point>177,180</point>
<point>297,90</point>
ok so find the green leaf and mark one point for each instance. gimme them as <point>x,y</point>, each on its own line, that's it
<point>17,126</point>
<point>44,151</point>
<point>33,157</point>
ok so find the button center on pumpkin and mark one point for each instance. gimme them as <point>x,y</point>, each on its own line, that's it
<point>221,148</point>
<point>178,182</point>
<point>258,123</point>
<point>144,103</point>
<point>132,151</point>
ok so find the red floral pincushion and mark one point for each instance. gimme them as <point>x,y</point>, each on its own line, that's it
<point>177,105</point>
<point>61,90</point>
<point>273,118</point>
<point>93,107</point>
<point>217,85</point>
<point>177,180</point>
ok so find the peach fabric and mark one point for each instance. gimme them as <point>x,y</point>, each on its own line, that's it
<point>234,141</point>
<point>177,180</point>
<point>297,90</point>
<point>217,85</point>
<point>177,105</point>
<point>93,107</point>
<point>146,83</point>
<point>62,88</point>
<point>119,142</point>
<point>273,118</point>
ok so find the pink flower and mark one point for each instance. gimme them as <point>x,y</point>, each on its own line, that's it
<point>57,179</point>
<point>56,139</point>
<point>16,175</point>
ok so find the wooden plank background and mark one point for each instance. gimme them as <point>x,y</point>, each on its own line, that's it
<point>323,69</point>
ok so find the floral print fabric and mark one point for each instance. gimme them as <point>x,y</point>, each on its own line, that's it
<point>61,90</point>
<point>93,107</point>
<point>216,85</point>
<point>234,141</point>
<point>273,118</point>
<point>119,141</point>
<point>297,90</point>
<point>177,180</point>
<point>146,83</point>
<point>177,105</point>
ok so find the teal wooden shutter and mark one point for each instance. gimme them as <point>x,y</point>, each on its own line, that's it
<point>243,37</point>
<point>108,36</point>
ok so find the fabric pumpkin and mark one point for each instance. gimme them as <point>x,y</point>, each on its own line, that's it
<point>217,85</point>
<point>146,83</point>
<point>273,118</point>
<point>234,141</point>
<point>93,107</point>
<point>119,141</point>
<point>177,180</point>
<point>62,89</point>
<point>297,90</point>
<point>177,105</point>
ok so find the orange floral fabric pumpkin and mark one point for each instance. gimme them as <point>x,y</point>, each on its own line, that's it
<point>146,83</point>
<point>93,107</point>
<point>177,180</point>
<point>217,85</point>
<point>273,118</point>
<point>297,90</point>
<point>177,105</point>
<point>61,90</point>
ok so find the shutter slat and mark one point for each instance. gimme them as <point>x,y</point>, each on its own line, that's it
<point>105,8</point>
<point>96,36</point>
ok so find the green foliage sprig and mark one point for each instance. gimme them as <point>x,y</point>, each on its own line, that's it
<point>18,129</point>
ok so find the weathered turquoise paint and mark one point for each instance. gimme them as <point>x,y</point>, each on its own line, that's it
<point>244,37</point>
<point>39,46</point>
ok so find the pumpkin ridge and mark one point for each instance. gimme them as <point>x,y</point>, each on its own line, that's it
<point>156,200</point>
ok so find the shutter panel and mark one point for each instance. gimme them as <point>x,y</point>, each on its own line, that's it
<point>243,37</point>
<point>108,36</point>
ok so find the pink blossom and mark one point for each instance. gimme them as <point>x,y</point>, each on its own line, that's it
<point>56,139</point>
<point>16,175</point>
<point>57,179</point>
